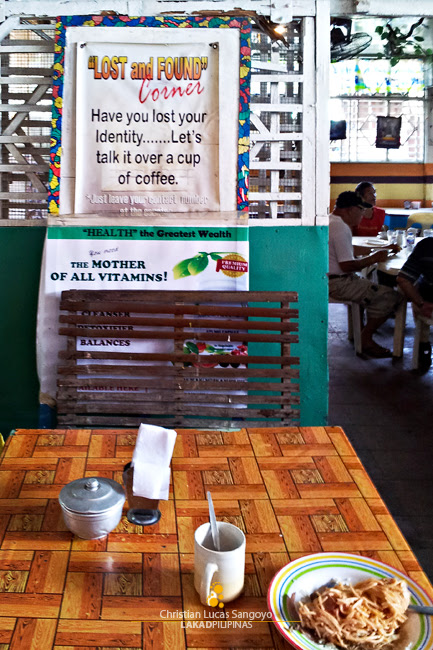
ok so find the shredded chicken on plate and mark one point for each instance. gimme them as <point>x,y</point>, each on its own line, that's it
<point>366,615</point>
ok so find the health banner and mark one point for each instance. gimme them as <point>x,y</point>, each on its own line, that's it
<point>131,257</point>
<point>147,127</point>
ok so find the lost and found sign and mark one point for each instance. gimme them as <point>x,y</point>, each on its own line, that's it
<point>147,128</point>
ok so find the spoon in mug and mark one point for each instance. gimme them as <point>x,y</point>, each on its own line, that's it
<point>213,524</point>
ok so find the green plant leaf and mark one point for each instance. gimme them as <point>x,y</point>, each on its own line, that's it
<point>197,264</point>
<point>419,38</point>
<point>215,256</point>
<point>379,29</point>
<point>394,60</point>
<point>191,347</point>
<point>181,269</point>
<point>210,348</point>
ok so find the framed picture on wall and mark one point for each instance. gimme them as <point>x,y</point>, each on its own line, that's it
<point>338,130</point>
<point>388,132</point>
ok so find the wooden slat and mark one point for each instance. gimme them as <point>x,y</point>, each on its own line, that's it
<point>34,27</point>
<point>167,408</point>
<point>160,396</point>
<point>34,205</point>
<point>276,108</point>
<point>180,322</point>
<point>25,108</point>
<point>179,336</point>
<point>139,383</point>
<point>276,78</point>
<point>24,139</point>
<point>176,309</point>
<point>277,164</point>
<point>274,137</point>
<point>131,296</point>
<point>13,97</point>
<point>42,196</point>
<point>12,71</point>
<point>71,421</point>
<point>174,357</point>
<point>24,168</point>
<point>27,46</point>
<point>275,196</point>
<point>194,373</point>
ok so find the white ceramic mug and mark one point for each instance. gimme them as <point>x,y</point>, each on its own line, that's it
<point>219,575</point>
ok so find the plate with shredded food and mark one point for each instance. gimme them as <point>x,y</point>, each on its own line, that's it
<point>329,601</point>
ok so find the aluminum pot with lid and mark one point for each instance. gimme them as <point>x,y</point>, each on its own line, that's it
<point>92,507</point>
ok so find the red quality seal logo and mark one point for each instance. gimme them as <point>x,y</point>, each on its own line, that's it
<point>233,265</point>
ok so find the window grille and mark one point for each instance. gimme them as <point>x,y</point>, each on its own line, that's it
<point>27,55</point>
<point>276,125</point>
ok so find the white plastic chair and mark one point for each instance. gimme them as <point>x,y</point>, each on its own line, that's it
<point>354,324</point>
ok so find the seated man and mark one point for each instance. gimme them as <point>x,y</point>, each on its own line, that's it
<point>344,284</point>
<point>415,279</point>
<point>373,217</point>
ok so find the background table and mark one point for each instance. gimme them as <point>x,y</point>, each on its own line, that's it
<point>292,490</point>
<point>404,212</point>
<point>394,262</point>
<point>397,217</point>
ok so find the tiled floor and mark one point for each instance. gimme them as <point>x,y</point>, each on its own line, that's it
<point>387,412</point>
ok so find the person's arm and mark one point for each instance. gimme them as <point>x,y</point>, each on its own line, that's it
<point>361,251</point>
<point>411,292</point>
<point>366,250</point>
<point>350,266</point>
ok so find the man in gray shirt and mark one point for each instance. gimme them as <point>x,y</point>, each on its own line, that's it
<point>344,284</point>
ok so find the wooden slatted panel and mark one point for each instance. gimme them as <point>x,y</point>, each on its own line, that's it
<point>113,387</point>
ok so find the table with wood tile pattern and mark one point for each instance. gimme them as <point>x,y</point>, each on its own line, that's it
<point>293,491</point>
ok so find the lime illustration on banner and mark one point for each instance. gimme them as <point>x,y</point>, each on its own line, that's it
<point>231,264</point>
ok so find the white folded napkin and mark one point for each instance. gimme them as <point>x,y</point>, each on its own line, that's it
<point>151,461</point>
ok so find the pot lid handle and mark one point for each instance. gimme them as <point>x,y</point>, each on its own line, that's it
<point>92,484</point>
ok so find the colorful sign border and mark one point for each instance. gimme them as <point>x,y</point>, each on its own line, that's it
<point>189,22</point>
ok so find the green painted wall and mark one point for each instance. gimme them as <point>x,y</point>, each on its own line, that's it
<point>20,260</point>
<point>295,258</point>
<point>282,258</point>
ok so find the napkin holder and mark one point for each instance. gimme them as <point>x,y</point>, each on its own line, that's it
<point>142,511</point>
